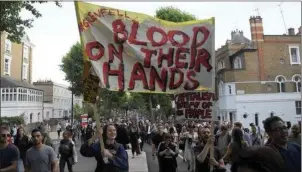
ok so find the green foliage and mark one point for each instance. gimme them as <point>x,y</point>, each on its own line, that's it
<point>12,120</point>
<point>73,66</point>
<point>77,111</point>
<point>174,15</point>
<point>11,21</point>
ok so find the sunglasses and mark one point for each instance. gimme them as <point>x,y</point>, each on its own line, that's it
<point>5,135</point>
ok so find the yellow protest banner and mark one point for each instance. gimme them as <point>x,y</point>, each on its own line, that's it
<point>138,53</point>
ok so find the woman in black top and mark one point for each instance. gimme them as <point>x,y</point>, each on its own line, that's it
<point>22,142</point>
<point>167,154</point>
<point>134,136</point>
<point>236,146</point>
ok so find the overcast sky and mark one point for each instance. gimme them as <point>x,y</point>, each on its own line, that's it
<point>56,31</point>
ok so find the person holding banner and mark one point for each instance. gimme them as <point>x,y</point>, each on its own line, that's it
<point>113,151</point>
<point>202,153</point>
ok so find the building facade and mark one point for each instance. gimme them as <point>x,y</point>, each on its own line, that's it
<point>18,96</point>
<point>57,99</point>
<point>259,78</point>
<point>16,59</point>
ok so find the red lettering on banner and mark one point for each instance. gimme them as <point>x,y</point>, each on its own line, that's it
<point>172,84</point>
<point>169,73</point>
<point>113,51</point>
<point>150,36</point>
<point>148,56</point>
<point>132,37</point>
<point>203,57</point>
<point>161,80</point>
<point>138,73</point>
<point>185,38</point>
<point>194,83</point>
<point>168,57</point>
<point>179,56</point>
<point>94,45</point>
<point>119,28</point>
<point>109,72</point>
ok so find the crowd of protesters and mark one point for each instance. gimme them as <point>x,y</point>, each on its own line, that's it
<point>274,149</point>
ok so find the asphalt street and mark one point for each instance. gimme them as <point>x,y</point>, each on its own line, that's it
<point>88,164</point>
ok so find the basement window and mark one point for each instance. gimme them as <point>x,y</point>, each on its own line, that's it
<point>294,54</point>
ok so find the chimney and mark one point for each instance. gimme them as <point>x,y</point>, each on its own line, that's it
<point>291,31</point>
<point>257,41</point>
<point>233,34</point>
<point>299,30</point>
<point>241,33</point>
<point>256,30</point>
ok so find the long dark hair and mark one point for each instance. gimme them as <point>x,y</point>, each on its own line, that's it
<point>105,138</point>
<point>237,136</point>
<point>18,135</point>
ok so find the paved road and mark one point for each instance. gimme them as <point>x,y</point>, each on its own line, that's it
<point>153,164</point>
<point>89,164</point>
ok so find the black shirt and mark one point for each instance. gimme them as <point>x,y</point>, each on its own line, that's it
<point>8,155</point>
<point>157,139</point>
<point>205,166</point>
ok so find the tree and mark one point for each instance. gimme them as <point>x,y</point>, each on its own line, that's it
<point>11,21</point>
<point>174,15</point>
<point>77,111</point>
<point>72,66</point>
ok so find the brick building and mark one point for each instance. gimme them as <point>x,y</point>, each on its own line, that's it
<point>260,77</point>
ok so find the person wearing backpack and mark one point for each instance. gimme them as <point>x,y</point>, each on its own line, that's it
<point>67,152</point>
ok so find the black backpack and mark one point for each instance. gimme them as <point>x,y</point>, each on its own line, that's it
<point>65,149</point>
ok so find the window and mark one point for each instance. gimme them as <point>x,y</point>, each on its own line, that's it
<point>237,63</point>
<point>297,80</point>
<point>280,83</point>
<point>47,114</point>
<point>25,52</point>
<point>8,46</point>
<point>25,71</point>
<point>294,55</point>
<point>230,89</point>
<point>298,107</point>
<point>7,65</point>
<point>221,65</point>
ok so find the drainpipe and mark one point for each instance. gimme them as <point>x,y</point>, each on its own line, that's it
<point>22,61</point>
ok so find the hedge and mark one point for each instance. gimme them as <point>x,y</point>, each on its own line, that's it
<point>12,120</point>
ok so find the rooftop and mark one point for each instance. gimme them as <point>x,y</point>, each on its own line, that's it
<point>7,81</point>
